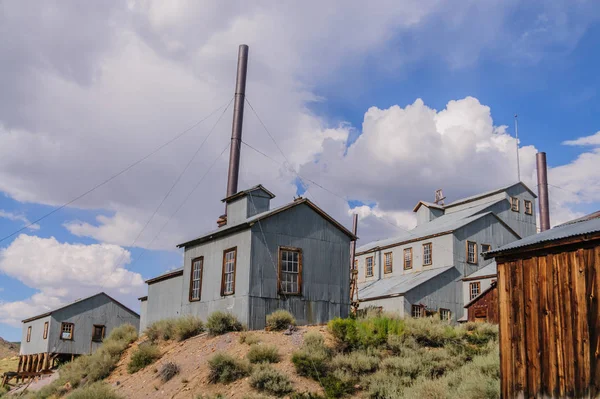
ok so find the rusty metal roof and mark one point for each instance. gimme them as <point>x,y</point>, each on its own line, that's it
<point>568,230</point>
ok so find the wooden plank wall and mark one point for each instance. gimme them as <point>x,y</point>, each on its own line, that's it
<point>550,324</point>
<point>487,304</point>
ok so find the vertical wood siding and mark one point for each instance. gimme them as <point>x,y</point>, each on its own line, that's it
<point>486,305</point>
<point>550,324</point>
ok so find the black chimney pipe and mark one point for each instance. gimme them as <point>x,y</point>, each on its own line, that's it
<point>542,177</point>
<point>238,118</point>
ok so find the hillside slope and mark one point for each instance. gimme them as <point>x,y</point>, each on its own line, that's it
<point>192,356</point>
<point>8,349</point>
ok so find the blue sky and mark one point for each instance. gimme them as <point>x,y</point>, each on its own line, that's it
<point>78,109</point>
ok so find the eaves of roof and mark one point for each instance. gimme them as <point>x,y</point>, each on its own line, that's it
<point>487,194</point>
<point>166,276</point>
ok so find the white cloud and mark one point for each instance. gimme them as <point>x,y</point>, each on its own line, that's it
<point>593,140</point>
<point>19,218</point>
<point>63,272</point>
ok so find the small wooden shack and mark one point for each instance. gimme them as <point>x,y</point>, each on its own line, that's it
<point>549,312</point>
<point>484,307</point>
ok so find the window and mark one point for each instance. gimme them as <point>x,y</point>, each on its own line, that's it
<point>196,279</point>
<point>66,330</point>
<point>28,333</point>
<point>290,271</point>
<point>474,289</point>
<point>417,311</point>
<point>427,254</point>
<point>369,266</point>
<point>228,280</point>
<point>514,204</point>
<point>445,314</point>
<point>45,330</point>
<point>98,333</point>
<point>471,252</point>
<point>528,207</point>
<point>388,263</point>
<point>485,248</point>
<point>408,258</point>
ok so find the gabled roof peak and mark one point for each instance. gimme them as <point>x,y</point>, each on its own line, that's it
<point>248,191</point>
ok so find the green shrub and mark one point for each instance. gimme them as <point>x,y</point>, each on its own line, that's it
<point>101,364</point>
<point>188,327</point>
<point>143,356</point>
<point>280,320</point>
<point>161,330</point>
<point>248,338</point>
<point>344,333</point>
<point>306,395</point>
<point>221,322</point>
<point>311,359</point>
<point>371,331</point>
<point>168,371</point>
<point>432,332</point>
<point>383,385</point>
<point>225,368</point>
<point>125,333</point>
<point>97,390</point>
<point>481,333</point>
<point>338,384</point>
<point>355,362</point>
<point>263,354</point>
<point>266,378</point>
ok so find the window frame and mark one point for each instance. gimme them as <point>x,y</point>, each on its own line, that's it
<point>430,245</point>
<point>385,263</point>
<point>421,311</point>
<point>225,252</point>
<point>474,284</point>
<point>62,326</point>
<point>449,318</point>
<point>367,275</point>
<point>513,201</point>
<point>528,209</point>
<point>280,271</point>
<point>404,258</point>
<point>94,337</point>
<point>45,333</point>
<point>191,298</point>
<point>28,333</point>
<point>487,245</point>
<point>475,257</point>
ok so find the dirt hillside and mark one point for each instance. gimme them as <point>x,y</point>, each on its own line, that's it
<point>8,349</point>
<point>192,356</point>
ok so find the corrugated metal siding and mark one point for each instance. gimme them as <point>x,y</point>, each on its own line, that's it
<point>325,272</point>
<point>211,299</point>
<point>97,310</point>
<point>438,292</point>
<point>37,343</point>
<point>143,315</point>
<point>164,300</point>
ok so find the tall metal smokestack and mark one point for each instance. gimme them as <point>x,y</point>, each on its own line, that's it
<point>542,177</point>
<point>238,118</point>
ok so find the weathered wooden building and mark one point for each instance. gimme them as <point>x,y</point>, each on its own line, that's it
<point>484,307</point>
<point>74,329</point>
<point>549,312</point>
<point>423,270</point>
<point>294,257</point>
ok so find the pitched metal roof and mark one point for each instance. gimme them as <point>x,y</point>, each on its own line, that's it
<point>245,224</point>
<point>165,276</point>
<point>244,192</point>
<point>557,233</point>
<point>427,204</point>
<point>78,301</point>
<point>489,270</point>
<point>442,225</point>
<point>487,194</point>
<point>582,219</point>
<point>398,285</point>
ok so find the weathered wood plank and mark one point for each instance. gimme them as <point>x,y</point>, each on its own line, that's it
<point>506,377</point>
<point>519,329</point>
<point>560,361</point>
<point>531,323</point>
<point>582,327</point>
<point>594,321</point>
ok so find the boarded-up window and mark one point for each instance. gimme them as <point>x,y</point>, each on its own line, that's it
<point>417,311</point>
<point>98,333</point>
<point>408,258</point>
<point>514,204</point>
<point>445,314</point>
<point>45,330</point>
<point>388,263</point>
<point>196,279</point>
<point>474,289</point>
<point>369,266</point>
<point>228,281</point>
<point>427,259</point>
<point>29,334</point>
<point>471,252</point>
<point>528,207</point>
<point>290,271</point>
<point>66,331</point>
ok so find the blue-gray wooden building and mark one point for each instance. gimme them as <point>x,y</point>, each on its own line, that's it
<point>427,269</point>
<point>75,329</point>
<point>294,257</point>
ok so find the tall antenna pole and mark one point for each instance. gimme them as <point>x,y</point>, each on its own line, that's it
<point>517,137</point>
<point>238,118</point>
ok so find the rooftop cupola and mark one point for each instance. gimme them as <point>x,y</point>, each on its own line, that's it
<point>245,204</point>
<point>427,211</point>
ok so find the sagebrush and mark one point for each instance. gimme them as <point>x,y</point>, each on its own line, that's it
<point>280,320</point>
<point>266,378</point>
<point>225,368</point>
<point>263,354</point>
<point>143,356</point>
<point>222,322</point>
